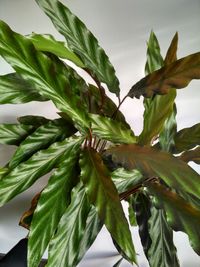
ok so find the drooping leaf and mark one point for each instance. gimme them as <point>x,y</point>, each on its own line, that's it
<point>49,75</point>
<point>104,196</point>
<point>26,173</point>
<point>14,134</point>
<point>153,163</point>
<point>111,130</point>
<point>35,121</point>
<point>41,138</point>
<point>51,206</point>
<point>175,75</point>
<point>47,43</point>
<point>181,215</point>
<point>191,155</point>
<point>64,246</point>
<point>15,90</point>
<point>187,138</point>
<point>82,42</point>
<point>162,252</point>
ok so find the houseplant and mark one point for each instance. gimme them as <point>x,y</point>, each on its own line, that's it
<point>95,157</point>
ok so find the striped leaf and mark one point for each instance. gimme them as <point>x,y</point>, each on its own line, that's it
<point>41,138</point>
<point>26,173</point>
<point>47,43</point>
<point>47,74</point>
<point>51,206</point>
<point>82,42</point>
<point>104,196</point>
<point>111,130</point>
<point>15,90</point>
<point>152,163</point>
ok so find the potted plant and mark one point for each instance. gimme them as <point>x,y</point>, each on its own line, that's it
<point>94,157</point>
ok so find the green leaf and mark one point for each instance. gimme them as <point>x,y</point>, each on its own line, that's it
<point>181,215</point>
<point>35,121</point>
<point>47,43</point>
<point>14,134</point>
<point>104,196</point>
<point>49,75</point>
<point>65,245</point>
<point>26,173</point>
<point>15,90</point>
<point>153,163</point>
<point>191,155</point>
<point>51,206</point>
<point>111,130</point>
<point>175,75</point>
<point>187,138</point>
<point>41,138</point>
<point>162,252</point>
<point>82,42</point>
<point>131,211</point>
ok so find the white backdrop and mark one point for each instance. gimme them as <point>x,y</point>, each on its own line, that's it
<point>122,28</point>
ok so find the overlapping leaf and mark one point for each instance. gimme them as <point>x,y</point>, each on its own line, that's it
<point>26,173</point>
<point>82,42</point>
<point>153,163</point>
<point>47,43</point>
<point>14,134</point>
<point>104,196</point>
<point>51,206</point>
<point>175,75</point>
<point>191,155</point>
<point>15,90</point>
<point>111,130</point>
<point>41,138</point>
<point>181,215</point>
<point>33,120</point>
<point>48,76</point>
<point>187,138</point>
<point>63,248</point>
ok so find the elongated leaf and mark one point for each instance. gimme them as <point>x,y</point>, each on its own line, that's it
<point>48,75</point>
<point>171,55</point>
<point>51,206</point>
<point>111,130</point>
<point>187,138</point>
<point>176,75</point>
<point>14,134</point>
<point>176,173</point>
<point>47,43</point>
<point>104,196</point>
<point>26,173</point>
<point>162,252</point>
<point>191,155</point>
<point>63,248</point>
<point>15,90</point>
<point>181,215</point>
<point>35,121</point>
<point>41,138</point>
<point>117,264</point>
<point>82,42</point>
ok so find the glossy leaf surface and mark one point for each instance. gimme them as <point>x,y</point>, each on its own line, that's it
<point>151,163</point>
<point>104,196</point>
<point>82,42</point>
<point>26,173</point>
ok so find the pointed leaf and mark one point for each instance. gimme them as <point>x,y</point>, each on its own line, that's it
<point>82,42</point>
<point>162,252</point>
<point>171,55</point>
<point>65,245</point>
<point>15,90</point>
<point>26,173</point>
<point>151,162</point>
<point>181,215</point>
<point>41,138</point>
<point>175,75</point>
<point>117,264</point>
<point>47,43</point>
<point>191,155</point>
<point>104,196</point>
<point>111,130</point>
<point>187,138</point>
<point>51,206</point>
<point>49,75</point>
<point>14,134</point>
